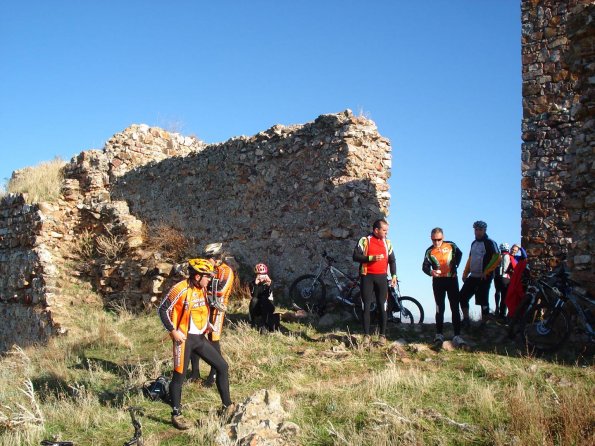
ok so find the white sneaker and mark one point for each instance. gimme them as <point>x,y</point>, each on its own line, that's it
<point>439,338</point>
<point>458,341</point>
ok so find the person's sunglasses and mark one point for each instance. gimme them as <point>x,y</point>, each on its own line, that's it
<point>436,239</point>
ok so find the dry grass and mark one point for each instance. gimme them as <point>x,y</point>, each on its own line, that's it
<point>240,297</point>
<point>21,417</point>
<point>40,183</point>
<point>169,241</point>
<point>84,245</point>
<point>82,384</point>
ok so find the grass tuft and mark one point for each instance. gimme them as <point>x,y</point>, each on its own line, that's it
<point>40,183</point>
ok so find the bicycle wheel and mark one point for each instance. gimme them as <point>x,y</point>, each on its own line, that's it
<point>307,293</point>
<point>526,313</point>
<point>548,330</point>
<point>412,313</point>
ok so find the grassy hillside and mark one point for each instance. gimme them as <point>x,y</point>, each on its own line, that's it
<point>78,387</point>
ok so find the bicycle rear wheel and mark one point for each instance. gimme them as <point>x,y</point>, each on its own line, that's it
<point>548,330</point>
<point>412,313</point>
<point>307,293</point>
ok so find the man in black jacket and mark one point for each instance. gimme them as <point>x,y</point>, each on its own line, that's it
<point>484,258</point>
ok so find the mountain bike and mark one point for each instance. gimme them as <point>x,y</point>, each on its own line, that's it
<point>539,294</point>
<point>308,292</point>
<point>137,438</point>
<point>403,308</point>
<point>571,311</point>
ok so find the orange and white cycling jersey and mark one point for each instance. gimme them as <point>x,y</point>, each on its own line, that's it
<point>184,308</point>
<point>225,278</point>
<point>445,258</point>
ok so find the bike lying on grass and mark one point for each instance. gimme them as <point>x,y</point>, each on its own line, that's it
<point>308,292</point>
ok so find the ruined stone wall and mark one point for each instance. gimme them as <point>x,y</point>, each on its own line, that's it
<point>281,197</point>
<point>37,241</point>
<point>27,274</point>
<point>555,171</point>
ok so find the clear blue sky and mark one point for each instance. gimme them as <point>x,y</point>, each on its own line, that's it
<point>441,79</point>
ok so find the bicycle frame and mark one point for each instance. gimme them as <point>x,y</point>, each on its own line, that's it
<point>336,274</point>
<point>326,267</point>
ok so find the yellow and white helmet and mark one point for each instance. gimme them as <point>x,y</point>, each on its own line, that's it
<point>201,266</point>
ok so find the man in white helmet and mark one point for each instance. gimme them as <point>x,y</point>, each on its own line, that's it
<point>484,258</point>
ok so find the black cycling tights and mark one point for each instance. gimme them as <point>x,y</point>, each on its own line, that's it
<point>206,351</point>
<point>442,286</point>
<point>374,286</point>
<point>195,360</point>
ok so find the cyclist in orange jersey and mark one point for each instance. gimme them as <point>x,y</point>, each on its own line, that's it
<point>184,313</point>
<point>220,290</point>
<point>441,261</point>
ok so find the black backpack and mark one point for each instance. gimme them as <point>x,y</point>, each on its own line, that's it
<point>157,389</point>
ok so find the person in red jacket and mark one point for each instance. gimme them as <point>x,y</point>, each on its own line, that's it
<point>375,255</point>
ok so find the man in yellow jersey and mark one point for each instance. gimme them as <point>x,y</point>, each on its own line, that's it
<point>441,261</point>
<point>184,313</point>
<point>221,288</point>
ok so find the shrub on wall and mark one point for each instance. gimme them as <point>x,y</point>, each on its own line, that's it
<point>169,241</point>
<point>110,246</point>
<point>40,183</point>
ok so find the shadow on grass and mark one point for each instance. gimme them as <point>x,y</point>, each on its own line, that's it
<point>489,337</point>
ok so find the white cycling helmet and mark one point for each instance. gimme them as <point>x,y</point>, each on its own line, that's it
<point>212,249</point>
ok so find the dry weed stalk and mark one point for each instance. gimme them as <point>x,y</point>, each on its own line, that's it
<point>84,245</point>
<point>22,416</point>
<point>110,246</point>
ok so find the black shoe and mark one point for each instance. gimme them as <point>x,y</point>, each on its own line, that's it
<point>208,382</point>
<point>466,324</point>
